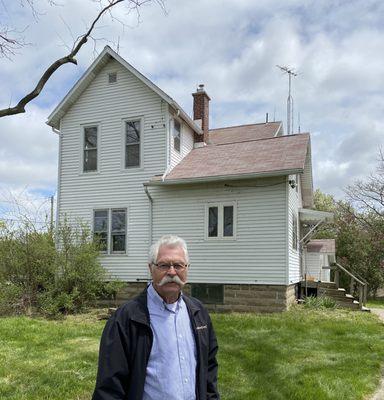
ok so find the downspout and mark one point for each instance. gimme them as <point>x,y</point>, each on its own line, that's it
<point>150,222</point>
<point>58,132</point>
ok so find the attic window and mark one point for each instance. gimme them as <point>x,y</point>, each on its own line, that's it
<point>112,77</point>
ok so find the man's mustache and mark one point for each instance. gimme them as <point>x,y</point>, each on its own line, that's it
<point>169,279</point>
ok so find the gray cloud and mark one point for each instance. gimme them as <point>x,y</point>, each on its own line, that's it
<point>232,47</point>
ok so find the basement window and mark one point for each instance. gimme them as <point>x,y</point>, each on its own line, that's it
<point>112,77</point>
<point>208,293</point>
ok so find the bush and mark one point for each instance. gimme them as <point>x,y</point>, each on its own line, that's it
<point>320,302</point>
<point>37,276</point>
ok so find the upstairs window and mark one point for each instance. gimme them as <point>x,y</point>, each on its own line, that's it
<point>220,222</point>
<point>176,134</point>
<point>132,143</point>
<point>110,230</point>
<point>90,149</point>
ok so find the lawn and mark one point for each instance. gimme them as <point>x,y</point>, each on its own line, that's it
<point>300,354</point>
<point>376,303</point>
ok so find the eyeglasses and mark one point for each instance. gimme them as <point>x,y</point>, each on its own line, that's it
<point>166,267</point>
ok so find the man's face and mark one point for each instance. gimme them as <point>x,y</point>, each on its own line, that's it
<point>169,255</point>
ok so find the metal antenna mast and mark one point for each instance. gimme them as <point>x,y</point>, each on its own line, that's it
<point>290,73</point>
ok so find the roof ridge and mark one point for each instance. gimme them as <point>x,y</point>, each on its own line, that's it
<point>238,126</point>
<point>258,140</point>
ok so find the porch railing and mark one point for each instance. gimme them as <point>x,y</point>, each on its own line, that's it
<point>355,278</point>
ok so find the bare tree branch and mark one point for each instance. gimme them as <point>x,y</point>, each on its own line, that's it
<point>70,58</point>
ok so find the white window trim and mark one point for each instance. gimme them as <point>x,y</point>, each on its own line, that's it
<point>82,142</point>
<point>220,216</point>
<point>181,135</point>
<point>123,143</point>
<point>109,233</point>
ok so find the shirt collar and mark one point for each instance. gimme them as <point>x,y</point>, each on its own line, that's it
<point>156,300</point>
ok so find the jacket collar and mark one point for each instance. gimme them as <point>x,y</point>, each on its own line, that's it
<point>141,314</point>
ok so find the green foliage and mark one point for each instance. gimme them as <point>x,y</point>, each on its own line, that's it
<point>359,243</point>
<point>321,302</point>
<point>37,276</point>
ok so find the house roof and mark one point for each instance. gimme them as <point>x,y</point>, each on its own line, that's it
<point>321,246</point>
<point>244,133</point>
<point>280,155</point>
<point>104,57</point>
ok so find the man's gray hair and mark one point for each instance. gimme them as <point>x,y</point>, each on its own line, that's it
<point>167,240</point>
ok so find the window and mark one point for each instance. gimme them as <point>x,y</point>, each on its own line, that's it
<point>132,143</point>
<point>118,231</point>
<point>111,240</point>
<point>208,293</point>
<point>220,220</point>
<point>176,134</point>
<point>90,149</point>
<point>112,77</point>
<point>294,232</point>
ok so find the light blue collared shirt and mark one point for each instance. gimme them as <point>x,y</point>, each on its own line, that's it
<point>171,369</point>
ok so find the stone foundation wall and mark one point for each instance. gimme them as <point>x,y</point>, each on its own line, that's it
<point>237,298</point>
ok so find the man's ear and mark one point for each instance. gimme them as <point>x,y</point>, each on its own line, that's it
<point>150,269</point>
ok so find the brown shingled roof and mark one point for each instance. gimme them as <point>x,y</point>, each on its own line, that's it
<point>282,154</point>
<point>243,133</point>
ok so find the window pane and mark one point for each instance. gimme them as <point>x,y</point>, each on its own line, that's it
<point>132,131</point>
<point>118,243</point>
<point>90,137</point>
<point>228,221</point>
<point>132,155</point>
<point>176,143</point>
<point>90,160</point>
<point>208,293</point>
<point>294,232</point>
<point>212,223</point>
<point>101,239</point>
<point>118,220</point>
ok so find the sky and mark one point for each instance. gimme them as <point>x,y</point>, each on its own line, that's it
<point>232,47</point>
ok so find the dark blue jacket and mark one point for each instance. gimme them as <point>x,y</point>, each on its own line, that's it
<point>126,345</point>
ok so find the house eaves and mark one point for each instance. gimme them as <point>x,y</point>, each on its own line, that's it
<point>220,178</point>
<point>103,58</point>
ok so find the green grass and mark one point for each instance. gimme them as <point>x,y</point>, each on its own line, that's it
<point>297,355</point>
<point>375,303</point>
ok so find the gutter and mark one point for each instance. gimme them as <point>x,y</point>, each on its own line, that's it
<point>150,222</point>
<point>222,178</point>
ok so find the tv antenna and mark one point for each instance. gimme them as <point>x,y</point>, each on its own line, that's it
<point>290,72</point>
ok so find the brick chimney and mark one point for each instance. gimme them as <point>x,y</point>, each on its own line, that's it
<point>201,112</point>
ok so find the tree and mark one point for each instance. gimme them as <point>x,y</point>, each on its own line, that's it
<point>358,227</point>
<point>9,44</point>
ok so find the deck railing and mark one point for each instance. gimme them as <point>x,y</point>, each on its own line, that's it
<point>363,285</point>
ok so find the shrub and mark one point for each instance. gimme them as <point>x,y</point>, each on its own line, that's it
<point>320,302</point>
<point>37,276</point>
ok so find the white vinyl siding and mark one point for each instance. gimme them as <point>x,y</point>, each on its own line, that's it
<point>186,144</point>
<point>114,187</point>
<point>294,257</point>
<point>258,255</point>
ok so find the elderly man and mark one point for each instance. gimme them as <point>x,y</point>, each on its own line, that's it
<point>160,345</point>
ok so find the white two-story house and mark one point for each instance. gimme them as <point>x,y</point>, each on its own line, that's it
<point>135,166</point>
